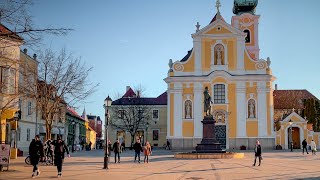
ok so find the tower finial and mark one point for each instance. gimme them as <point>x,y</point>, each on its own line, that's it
<point>218,5</point>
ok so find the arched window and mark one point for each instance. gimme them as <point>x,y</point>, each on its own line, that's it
<point>188,109</point>
<point>251,108</point>
<point>247,35</point>
<point>219,94</point>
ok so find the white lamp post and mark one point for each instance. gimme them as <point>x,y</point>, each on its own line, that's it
<point>107,105</point>
<point>290,137</point>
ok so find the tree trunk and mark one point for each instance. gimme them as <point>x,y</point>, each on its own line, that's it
<point>132,140</point>
<point>48,131</point>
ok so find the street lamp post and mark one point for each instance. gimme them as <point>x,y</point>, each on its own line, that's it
<point>290,137</point>
<point>73,135</point>
<point>107,105</point>
<point>147,125</point>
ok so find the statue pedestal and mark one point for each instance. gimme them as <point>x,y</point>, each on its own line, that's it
<point>209,144</point>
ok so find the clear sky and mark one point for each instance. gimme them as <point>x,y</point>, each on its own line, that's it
<point>129,42</point>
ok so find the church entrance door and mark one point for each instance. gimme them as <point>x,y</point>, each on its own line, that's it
<point>220,131</point>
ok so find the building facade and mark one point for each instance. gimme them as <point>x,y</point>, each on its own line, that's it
<point>96,124</point>
<point>153,127</point>
<point>291,124</point>
<point>75,128</point>
<point>225,63</point>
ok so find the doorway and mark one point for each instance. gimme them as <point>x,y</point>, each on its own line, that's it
<point>295,138</point>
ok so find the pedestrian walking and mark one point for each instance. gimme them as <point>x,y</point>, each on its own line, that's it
<point>257,153</point>
<point>36,153</point>
<point>59,150</point>
<point>304,146</point>
<point>147,152</point>
<point>313,147</point>
<point>137,149</point>
<point>116,150</point>
<point>167,145</point>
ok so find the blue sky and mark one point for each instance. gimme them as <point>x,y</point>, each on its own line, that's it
<point>130,42</point>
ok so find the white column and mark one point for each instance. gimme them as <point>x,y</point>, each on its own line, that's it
<point>241,110</point>
<point>168,111</point>
<point>240,54</point>
<point>262,109</point>
<point>178,110</point>
<point>197,55</point>
<point>198,109</point>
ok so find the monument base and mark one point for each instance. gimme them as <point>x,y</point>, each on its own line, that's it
<point>209,144</point>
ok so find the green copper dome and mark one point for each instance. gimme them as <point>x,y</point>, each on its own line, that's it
<point>244,6</point>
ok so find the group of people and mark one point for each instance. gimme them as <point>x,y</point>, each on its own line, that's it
<point>258,151</point>
<point>56,147</point>
<point>138,148</point>
<point>313,146</point>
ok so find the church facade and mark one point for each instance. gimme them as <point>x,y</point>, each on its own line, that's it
<point>224,61</point>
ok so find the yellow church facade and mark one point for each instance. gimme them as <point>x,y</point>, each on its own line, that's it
<point>225,60</point>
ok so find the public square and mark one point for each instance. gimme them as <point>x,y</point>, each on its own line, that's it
<point>88,165</point>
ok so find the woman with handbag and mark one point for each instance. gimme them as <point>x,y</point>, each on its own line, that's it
<point>147,152</point>
<point>257,153</point>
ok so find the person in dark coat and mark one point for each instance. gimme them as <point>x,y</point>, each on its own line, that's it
<point>137,149</point>
<point>36,152</point>
<point>59,150</point>
<point>257,153</point>
<point>116,150</point>
<point>304,146</point>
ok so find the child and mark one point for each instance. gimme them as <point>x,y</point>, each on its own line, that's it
<point>147,152</point>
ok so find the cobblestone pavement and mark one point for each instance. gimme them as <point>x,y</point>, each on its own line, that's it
<point>88,165</point>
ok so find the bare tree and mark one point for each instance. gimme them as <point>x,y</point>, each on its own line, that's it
<point>131,115</point>
<point>62,80</point>
<point>15,14</point>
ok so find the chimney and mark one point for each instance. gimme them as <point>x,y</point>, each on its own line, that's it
<point>25,50</point>
<point>35,56</point>
<point>276,86</point>
<point>138,93</point>
<point>127,88</point>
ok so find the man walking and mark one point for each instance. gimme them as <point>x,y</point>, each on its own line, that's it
<point>257,153</point>
<point>116,150</point>
<point>137,149</point>
<point>36,152</point>
<point>59,150</point>
<point>304,146</point>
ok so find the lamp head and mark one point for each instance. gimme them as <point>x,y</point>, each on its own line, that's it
<point>107,102</point>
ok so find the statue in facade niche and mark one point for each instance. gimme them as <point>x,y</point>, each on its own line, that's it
<point>188,109</point>
<point>251,107</point>
<point>207,102</point>
<point>218,52</point>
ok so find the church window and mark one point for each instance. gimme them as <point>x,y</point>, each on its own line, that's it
<point>247,35</point>
<point>219,94</point>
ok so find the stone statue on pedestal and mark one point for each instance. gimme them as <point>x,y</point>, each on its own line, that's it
<point>207,102</point>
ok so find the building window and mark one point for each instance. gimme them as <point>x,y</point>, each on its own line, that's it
<point>28,134</point>
<point>247,38</point>
<point>155,114</point>
<point>155,134</point>
<point>121,114</point>
<point>219,94</point>
<point>8,80</point>
<point>29,108</point>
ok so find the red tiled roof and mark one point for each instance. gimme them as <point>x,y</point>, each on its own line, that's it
<point>129,93</point>
<point>160,100</point>
<point>74,113</point>
<point>4,31</point>
<point>288,99</point>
